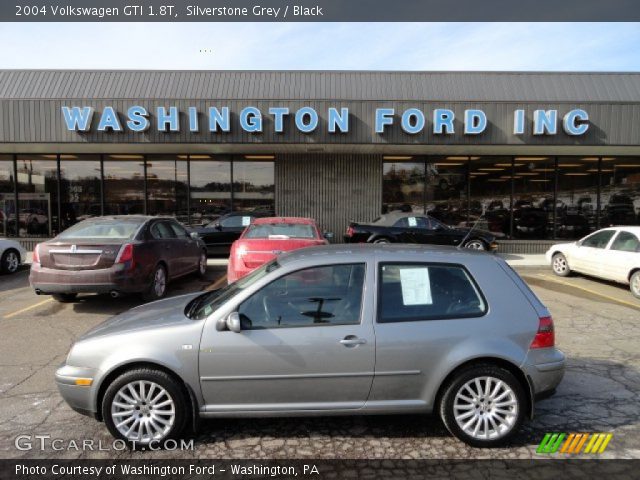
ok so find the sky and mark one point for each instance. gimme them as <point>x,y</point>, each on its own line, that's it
<point>323,46</point>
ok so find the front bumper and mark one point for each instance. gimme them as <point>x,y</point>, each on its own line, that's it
<point>78,397</point>
<point>545,368</point>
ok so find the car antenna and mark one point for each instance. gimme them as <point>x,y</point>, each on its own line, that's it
<point>469,232</point>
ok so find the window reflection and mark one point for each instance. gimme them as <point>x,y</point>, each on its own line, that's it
<point>403,187</point>
<point>490,188</point>
<point>123,184</point>
<point>577,196</point>
<point>253,186</point>
<point>447,191</point>
<point>167,186</point>
<point>7,198</point>
<point>620,191</point>
<point>79,188</point>
<point>210,189</point>
<point>533,209</point>
<point>37,195</point>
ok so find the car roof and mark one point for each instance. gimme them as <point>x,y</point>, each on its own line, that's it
<point>126,218</point>
<point>628,228</point>
<point>287,220</point>
<point>359,252</point>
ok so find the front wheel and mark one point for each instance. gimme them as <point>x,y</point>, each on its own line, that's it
<point>634,284</point>
<point>158,287</point>
<point>560,266</point>
<point>202,264</point>
<point>484,406</point>
<point>381,240</point>
<point>475,244</point>
<point>144,406</point>
<point>10,261</point>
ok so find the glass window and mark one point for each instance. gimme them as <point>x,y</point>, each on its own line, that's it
<point>620,191</point>
<point>178,230</point>
<point>162,230</point>
<point>490,187</point>
<point>317,296</point>
<point>577,196</point>
<point>288,230</point>
<point>415,292</point>
<point>447,191</point>
<point>412,222</point>
<point>79,188</point>
<point>626,242</point>
<point>7,198</point>
<point>598,239</point>
<point>533,207</point>
<point>167,186</point>
<point>235,221</point>
<point>123,184</point>
<point>253,186</point>
<point>210,189</point>
<point>38,195</point>
<point>120,229</point>
<point>403,187</point>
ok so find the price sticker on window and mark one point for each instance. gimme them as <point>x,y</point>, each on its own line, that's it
<point>246,221</point>
<point>416,287</point>
<point>413,222</point>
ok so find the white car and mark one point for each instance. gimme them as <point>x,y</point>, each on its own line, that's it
<point>611,253</point>
<point>12,254</point>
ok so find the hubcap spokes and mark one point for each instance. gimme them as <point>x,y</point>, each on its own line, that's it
<point>485,408</point>
<point>560,265</point>
<point>143,411</point>
<point>203,263</point>
<point>636,285</point>
<point>12,262</point>
<point>160,282</point>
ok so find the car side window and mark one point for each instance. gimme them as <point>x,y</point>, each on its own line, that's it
<point>178,230</point>
<point>415,292</point>
<point>412,222</point>
<point>160,230</point>
<point>598,239</point>
<point>236,221</point>
<point>626,242</point>
<point>313,297</point>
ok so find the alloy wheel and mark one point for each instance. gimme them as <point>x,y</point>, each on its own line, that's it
<point>560,265</point>
<point>160,282</point>
<point>475,245</point>
<point>11,262</point>
<point>485,408</point>
<point>203,264</point>
<point>635,285</point>
<point>143,411</point>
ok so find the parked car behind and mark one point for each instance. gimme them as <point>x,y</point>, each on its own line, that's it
<point>268,237</point>
<point>611,253</point>
<point>332,330</point>
<point>399,227</point>
<point>222,232</point>
<point>116,255</point>
<point>12,255</point>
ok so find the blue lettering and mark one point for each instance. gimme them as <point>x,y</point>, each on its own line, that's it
<point>168,121</point>
<point>138,121</point>
<point>193,119</point>
<point>475,122</point>
<point>219,119</point>
<point>339,120</point>
<point>412,121</point>
<point>545,121</point>
<point>251,119</point>
<point>443,121</point>
<point>575,122</point>
<point>77,119</point>
<point>278,117</point>
<point>300,119</point>
<point>109,119</point>
<point>518,122</point>
<point>384,116</point>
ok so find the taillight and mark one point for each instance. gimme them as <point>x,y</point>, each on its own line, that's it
<point>350,231</point>
<point>36,254</point>
<point>125,255</point>
<point>545,336</point>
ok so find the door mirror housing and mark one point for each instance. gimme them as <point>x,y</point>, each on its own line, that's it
<point>233,322</point>
<point>328,235</point>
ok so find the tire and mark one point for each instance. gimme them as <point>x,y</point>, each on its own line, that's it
<point>148,400</point>
<point>158,286</point>
<point>560,265</point>
<point>476,412</point>
<point>202,265</point>
<point>382,240</point>
<point>10,262</point>
<point>64,297</point>
<point>475,244</point>
<point>634,284</point>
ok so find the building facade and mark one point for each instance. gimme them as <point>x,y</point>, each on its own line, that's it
<point>528,156</point>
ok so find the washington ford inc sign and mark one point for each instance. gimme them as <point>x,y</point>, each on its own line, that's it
<point>250,119</point>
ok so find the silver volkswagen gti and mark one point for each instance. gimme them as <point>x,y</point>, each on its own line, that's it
<point>331,330</point>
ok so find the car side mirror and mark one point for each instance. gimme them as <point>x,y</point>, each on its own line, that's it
<point>233,322</point>
<point>328,235</point>
<point>194,235</point>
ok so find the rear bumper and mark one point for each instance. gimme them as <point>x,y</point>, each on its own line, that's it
<point>545,368</point>
<point>48,280</point>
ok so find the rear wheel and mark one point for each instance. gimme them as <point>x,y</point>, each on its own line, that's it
<point>64,297</point>
<point>475,244</point>
<point>145,406</point>
<point>634,284</point>
<point>158,287</point>
<point>202,264</point>
<point>381,240</point>
<point>483,406</point>
<point>559,265</point>
<point>10,261</point>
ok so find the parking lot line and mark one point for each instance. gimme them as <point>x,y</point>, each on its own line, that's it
<point>26,309</point>
<point>594,292</point>
<point>217,283</point>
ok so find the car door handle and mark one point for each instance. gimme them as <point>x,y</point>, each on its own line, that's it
<point>352,341</point>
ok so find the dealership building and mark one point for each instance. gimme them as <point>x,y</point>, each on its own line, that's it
<point>532,157</point>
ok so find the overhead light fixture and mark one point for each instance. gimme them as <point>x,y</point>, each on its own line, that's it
<point>627,165</point>
<point>608,159</point>
<point>496,180</point>
<point>528,174</point>
<point>577,174</point>
<point>195,157</point>
<point>449,164</point>
<point>259,157</point>
<point>479,173</point>
<point>539,180</point>
<point>457,158</point>
<point>595,170</point>
<point>508,164</point>
<point>387,157</point>
<point>126,157</point>
<point>531,159</point>
<point>491,169</point>
<point>544,169</point>
<point>569,165</point>
<point>589,159</point>
<point>474,158</point>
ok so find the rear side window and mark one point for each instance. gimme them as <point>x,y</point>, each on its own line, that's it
<point>162,230</point>
<point>418,291</point>
<point>626,242</point>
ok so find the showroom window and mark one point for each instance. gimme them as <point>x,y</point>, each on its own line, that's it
<point>490,192</point>
<point>167,186</point>
<point>253,184</point>
<point>80,188</point>
<point>533,194</point>
<point>37,195</point>
<point>620,191</point>
<point>403,185</point>
<point>124,184</point>
<point>7,197</point>
<point>210,189</point>
<point>446,194</point>
<point>577,199</point>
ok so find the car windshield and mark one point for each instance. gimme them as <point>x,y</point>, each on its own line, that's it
<point>108,229</point>
<point>288,230</point>
<point>204,305</point>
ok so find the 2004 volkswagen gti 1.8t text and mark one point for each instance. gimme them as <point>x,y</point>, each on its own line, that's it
<point>338,329</point>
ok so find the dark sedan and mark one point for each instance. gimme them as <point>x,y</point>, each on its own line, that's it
<point>116,255</point>
<point>400,227</point>
<point>222,232</point>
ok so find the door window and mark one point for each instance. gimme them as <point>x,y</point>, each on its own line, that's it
<point>414,292</point>
<point>236,221</point>
<point>598,239</point>
<point>412,222</point>
<point>318,296</point>
<point>160,230</point>
<point>178,230</point>
<point>626,242</point>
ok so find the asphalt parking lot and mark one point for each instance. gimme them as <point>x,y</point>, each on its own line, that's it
<point>597,326</point>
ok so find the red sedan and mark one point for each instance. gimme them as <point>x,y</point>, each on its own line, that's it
<point>268,237</point>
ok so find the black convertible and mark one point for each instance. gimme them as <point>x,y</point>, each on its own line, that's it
<point>401,227</point>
